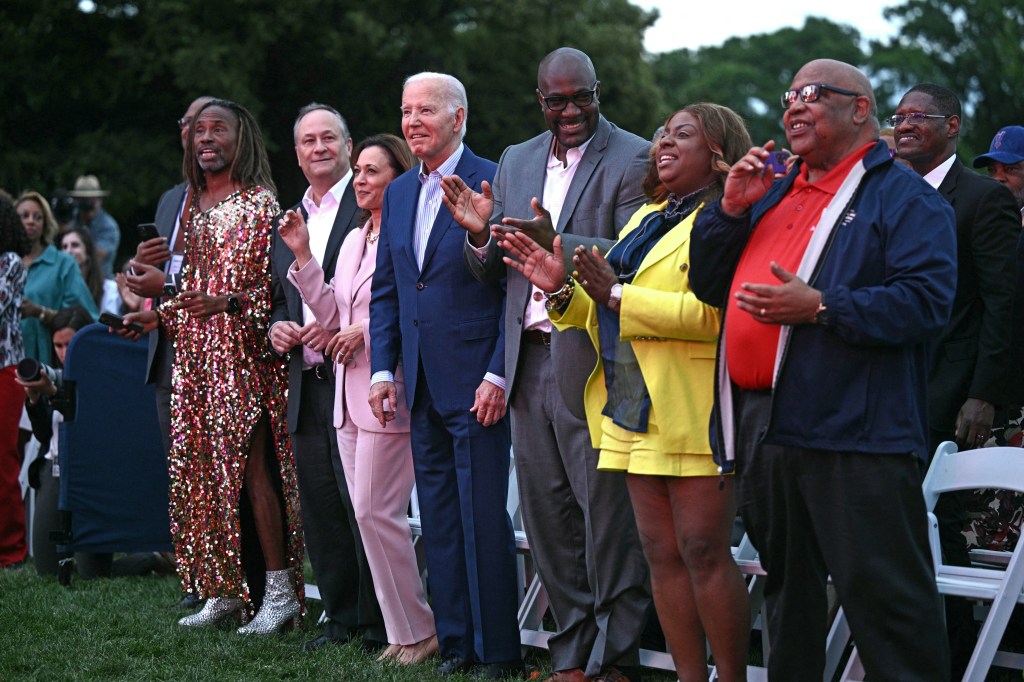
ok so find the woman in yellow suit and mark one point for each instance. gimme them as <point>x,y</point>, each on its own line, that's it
<point>649,398</point>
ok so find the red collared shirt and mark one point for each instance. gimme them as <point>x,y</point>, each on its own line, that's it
<point>781,236</point>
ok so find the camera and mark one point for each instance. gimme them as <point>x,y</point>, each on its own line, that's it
<point>63,206</point>
<point>30,369</point>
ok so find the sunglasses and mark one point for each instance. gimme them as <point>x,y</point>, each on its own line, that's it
<point>811,93</point>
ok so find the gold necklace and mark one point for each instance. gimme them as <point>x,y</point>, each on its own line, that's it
<point>372,237</point>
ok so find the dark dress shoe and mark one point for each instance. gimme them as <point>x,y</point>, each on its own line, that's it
<point>371,646</point>
<point>619,674</point>
<point>314,644</point>
<point>505,670</point>
<point>453,663</point>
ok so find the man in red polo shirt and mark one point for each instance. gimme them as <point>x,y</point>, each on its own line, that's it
<point>834,281</point>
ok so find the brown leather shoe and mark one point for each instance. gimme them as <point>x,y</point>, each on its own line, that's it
<point>572,675</point>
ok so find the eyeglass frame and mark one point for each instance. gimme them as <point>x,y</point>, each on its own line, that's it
<point>592,95</point>
<point>916,118</point>
<point>786,103</point>
<point>184,122</point>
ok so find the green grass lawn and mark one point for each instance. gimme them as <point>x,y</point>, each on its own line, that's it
<point>125,629</point>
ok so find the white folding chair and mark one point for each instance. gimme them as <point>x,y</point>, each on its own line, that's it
<point>1000,468</point>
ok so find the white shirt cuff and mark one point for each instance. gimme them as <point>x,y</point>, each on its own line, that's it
<point>496,380</point>
<point>383,375</point>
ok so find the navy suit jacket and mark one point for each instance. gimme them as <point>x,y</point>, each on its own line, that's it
<point>439,317</point>
<point>286,301</point>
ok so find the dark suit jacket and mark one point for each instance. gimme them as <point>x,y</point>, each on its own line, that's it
<point>166,216</point>
<point>972,359</point>
<point>604,193</point>
<point>287,303</point>
<point>440,317</point>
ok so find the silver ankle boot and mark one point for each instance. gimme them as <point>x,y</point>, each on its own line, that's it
<point>214,611</point>
<point>280,605</point>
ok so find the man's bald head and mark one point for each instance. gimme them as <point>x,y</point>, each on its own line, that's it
<point>566,60</point>
<point>842,119</point>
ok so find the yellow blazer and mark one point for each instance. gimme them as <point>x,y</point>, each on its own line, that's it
<point>673,335</point>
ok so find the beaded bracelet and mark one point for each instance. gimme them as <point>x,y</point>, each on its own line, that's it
<point>559,300</point>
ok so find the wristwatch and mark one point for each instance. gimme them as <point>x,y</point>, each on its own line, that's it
<point>615,297</point>
<point>234,305</point>
<point>821,314</point>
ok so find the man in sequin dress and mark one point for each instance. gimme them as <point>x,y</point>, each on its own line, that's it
<point>233,493</point>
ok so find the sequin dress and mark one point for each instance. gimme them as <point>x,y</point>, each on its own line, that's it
<point>225,381</point>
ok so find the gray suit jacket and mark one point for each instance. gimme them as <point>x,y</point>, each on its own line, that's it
<point>604,193</point>
<point>166,216</point>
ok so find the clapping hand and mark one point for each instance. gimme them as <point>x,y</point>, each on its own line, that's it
<point>470,209</point>
<point>544,269</point>
<point>594,273</point>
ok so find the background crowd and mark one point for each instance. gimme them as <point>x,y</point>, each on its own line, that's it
<point>465,289</point>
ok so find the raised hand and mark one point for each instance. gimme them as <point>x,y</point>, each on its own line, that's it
<point>295,234</point>
<point>544,269</point>
<point>470,209</point>
<point>748,180</point>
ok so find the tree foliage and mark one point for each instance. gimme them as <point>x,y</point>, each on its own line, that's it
<point>973,47</point>
<point>94,86</point>
<point>99,91</point>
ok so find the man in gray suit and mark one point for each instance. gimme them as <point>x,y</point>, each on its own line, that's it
<point>581,179</point>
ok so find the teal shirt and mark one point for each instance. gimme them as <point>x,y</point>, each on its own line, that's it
<point>54,281</point>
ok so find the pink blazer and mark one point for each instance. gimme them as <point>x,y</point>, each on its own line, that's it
<point>345,301</point>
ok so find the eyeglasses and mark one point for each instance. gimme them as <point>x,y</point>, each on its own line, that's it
<point>811,93</point>
<point>184,122</point>
<point>580,99</point>
<point>916,118</point>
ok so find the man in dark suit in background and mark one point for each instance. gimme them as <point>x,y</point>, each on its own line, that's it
<point>971,361</point>
<point>581,178</point>
<point>323,148</point>
<point>445,326</point>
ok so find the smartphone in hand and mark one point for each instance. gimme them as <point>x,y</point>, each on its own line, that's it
<point>147,231</point>
<point>116,323</point>
<point>777,161</point>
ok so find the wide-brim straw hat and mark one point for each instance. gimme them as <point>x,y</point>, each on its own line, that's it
<point>87,187</point>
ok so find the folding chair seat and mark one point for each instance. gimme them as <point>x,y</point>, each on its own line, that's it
<point>1001,581</point>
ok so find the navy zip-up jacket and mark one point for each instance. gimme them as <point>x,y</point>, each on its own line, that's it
<point>859,382</point>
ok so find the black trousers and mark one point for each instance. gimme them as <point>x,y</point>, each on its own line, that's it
<point>857,517</point>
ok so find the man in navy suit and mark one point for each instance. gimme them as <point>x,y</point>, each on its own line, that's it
<point>446,327</point>
<point>323,147</point>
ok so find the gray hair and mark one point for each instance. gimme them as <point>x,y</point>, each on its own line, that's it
<point>453,93</point>
<point>316,106</point>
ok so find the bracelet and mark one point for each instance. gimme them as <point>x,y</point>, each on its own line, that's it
<point>44,314</point>
<point>559,300</point>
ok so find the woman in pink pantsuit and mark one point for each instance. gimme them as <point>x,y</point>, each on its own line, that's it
<point>377,460</point>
